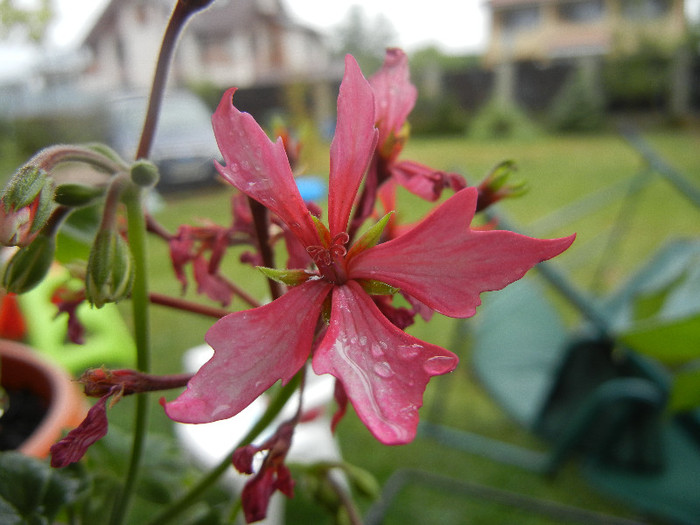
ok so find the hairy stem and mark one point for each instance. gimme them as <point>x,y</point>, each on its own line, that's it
<point>140,303</point>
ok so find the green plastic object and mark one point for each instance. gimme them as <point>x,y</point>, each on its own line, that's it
<point>588,394</point>
<point>520,340</point>
<point>107,339</point>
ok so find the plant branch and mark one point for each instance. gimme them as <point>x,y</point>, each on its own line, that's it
<point>260,220</point>
<point>188,306</point>
<point>181,13</point>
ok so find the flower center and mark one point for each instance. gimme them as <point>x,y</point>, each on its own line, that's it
<point>331,260</point>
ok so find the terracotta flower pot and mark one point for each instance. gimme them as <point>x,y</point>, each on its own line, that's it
<point>22,369</point>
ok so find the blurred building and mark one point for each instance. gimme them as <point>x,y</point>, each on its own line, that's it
<point>632,52</point>
<point>242,43</point>
<point>550,30</point>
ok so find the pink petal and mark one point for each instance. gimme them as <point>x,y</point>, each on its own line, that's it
<point>354,141</point>
<point>394,94</point>
<point>73,447</point>
<point>253,349</point>
<point>259,167</point>
<point>446,265</point>
<point>210,284</point>
<point>384,370</point>
<point>420,180</point>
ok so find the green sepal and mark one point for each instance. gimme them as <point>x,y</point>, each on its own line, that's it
<point>499,174</point>
<point>323,232</point>
<point>110,271</point>
<point>327,308</point>
<point>288,277</point>
<point>373,287</point>
<point>24,186</point>
<point>76,195</point>
<point>370,238</point>
<point>29,265</point>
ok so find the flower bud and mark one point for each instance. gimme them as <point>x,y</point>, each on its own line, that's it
<point>498,185</point>
<point>26,206</point>
<point>144,173</point>
<point>29,265</point>
<point>110,272</point>
<point>76,195</point>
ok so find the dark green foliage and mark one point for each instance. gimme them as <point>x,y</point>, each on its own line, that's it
<point>578,107</point>
<point>638,81</point>
<point>438,116</point>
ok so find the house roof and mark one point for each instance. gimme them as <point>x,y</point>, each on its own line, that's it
<point>104,20</point>
<point>498,4</point>
<point>221,18</point>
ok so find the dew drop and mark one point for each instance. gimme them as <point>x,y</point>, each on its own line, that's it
<point>439,364</point>
<point>376,350</point>
<point>383,369</point>
<point>410,351</point>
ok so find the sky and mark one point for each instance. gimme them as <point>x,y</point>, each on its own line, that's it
<point>455,25</point>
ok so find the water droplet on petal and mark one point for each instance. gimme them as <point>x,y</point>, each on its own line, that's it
<point>376,350</point>
<point>383,369</point>
<point>410,351</point>
<point>439,364</point>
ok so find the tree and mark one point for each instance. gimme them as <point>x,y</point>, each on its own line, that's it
<point>364,38</point>
<point>24,20</point>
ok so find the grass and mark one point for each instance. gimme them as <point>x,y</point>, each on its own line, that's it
<point>560,171</point>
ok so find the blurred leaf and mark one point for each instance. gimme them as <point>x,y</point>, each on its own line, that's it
<point>31,491</point>
<point>672,342</point>
<point>685,393</point>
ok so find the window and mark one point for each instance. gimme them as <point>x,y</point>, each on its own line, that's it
<point>645,9</point>
<point>580,11</point>
<point>520,18</point>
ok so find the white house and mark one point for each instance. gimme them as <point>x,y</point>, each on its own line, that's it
<point>234,42</point>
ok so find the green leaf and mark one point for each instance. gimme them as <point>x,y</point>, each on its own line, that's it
<point>288,277</point>
<point>31,491</point>
<point>370,238</point>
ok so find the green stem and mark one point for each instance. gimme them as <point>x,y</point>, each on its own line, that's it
<point>140,305</point>
<point>191,497</point>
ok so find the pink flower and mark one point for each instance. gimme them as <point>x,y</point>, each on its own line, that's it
<point>441,262</point>
<point>273,474</point>
<point>395,97</point>
<point>189,245</point>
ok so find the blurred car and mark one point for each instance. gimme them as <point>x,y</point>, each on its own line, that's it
<point>184,147</point>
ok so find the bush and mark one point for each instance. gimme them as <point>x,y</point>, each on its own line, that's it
<point>438,117</point>
<point>579,105</point>
<point>497,120</point>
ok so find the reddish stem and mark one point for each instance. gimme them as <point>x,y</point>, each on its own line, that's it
<point>260,220</point>
<point>188,306</point>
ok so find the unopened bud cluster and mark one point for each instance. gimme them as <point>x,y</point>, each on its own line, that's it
<point>110,271</point>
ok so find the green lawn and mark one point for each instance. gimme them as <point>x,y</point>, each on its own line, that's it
<point>560,171</point>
